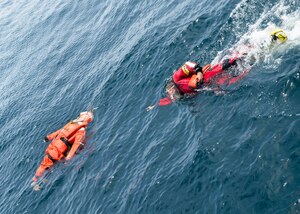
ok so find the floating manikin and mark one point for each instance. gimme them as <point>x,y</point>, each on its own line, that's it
<point>65,143</point>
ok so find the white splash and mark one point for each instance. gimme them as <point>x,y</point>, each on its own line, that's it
<point>256,41</point>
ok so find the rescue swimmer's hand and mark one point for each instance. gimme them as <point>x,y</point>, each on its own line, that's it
<point>199,76</point>
<point>206,68</point>
<point>199,79</point>
<point>46,139</point>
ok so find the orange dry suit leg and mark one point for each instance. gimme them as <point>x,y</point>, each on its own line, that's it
<point>46,163</point>
<point>54,152</point>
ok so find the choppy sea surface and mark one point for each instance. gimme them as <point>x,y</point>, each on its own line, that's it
<point>233,152</point>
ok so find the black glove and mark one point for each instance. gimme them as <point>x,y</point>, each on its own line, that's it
<point>198,69</point>
<point>46,139</point>
<point>226,64</point>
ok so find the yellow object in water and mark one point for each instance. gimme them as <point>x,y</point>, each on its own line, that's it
<point>279,35</point>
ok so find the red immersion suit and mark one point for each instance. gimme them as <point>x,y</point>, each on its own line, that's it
<point>182,77</point>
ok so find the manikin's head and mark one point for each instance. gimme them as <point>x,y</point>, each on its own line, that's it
<point>86,116</point>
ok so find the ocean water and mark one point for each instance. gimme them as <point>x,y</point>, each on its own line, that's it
<point>234,152</point>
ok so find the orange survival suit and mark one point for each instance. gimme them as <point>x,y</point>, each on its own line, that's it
<point>65,142</point>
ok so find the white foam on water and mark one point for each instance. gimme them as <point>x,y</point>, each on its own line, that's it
<point>256,41</point>
<point>291,25</point>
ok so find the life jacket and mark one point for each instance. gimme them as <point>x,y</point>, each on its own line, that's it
<point>185,71</point>
<point>70,129</point>
<point>67,132</point>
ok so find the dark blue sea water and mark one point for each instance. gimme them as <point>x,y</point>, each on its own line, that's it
<point>233,153</point>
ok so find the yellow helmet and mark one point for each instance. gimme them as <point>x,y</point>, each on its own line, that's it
<point>280,35</point>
